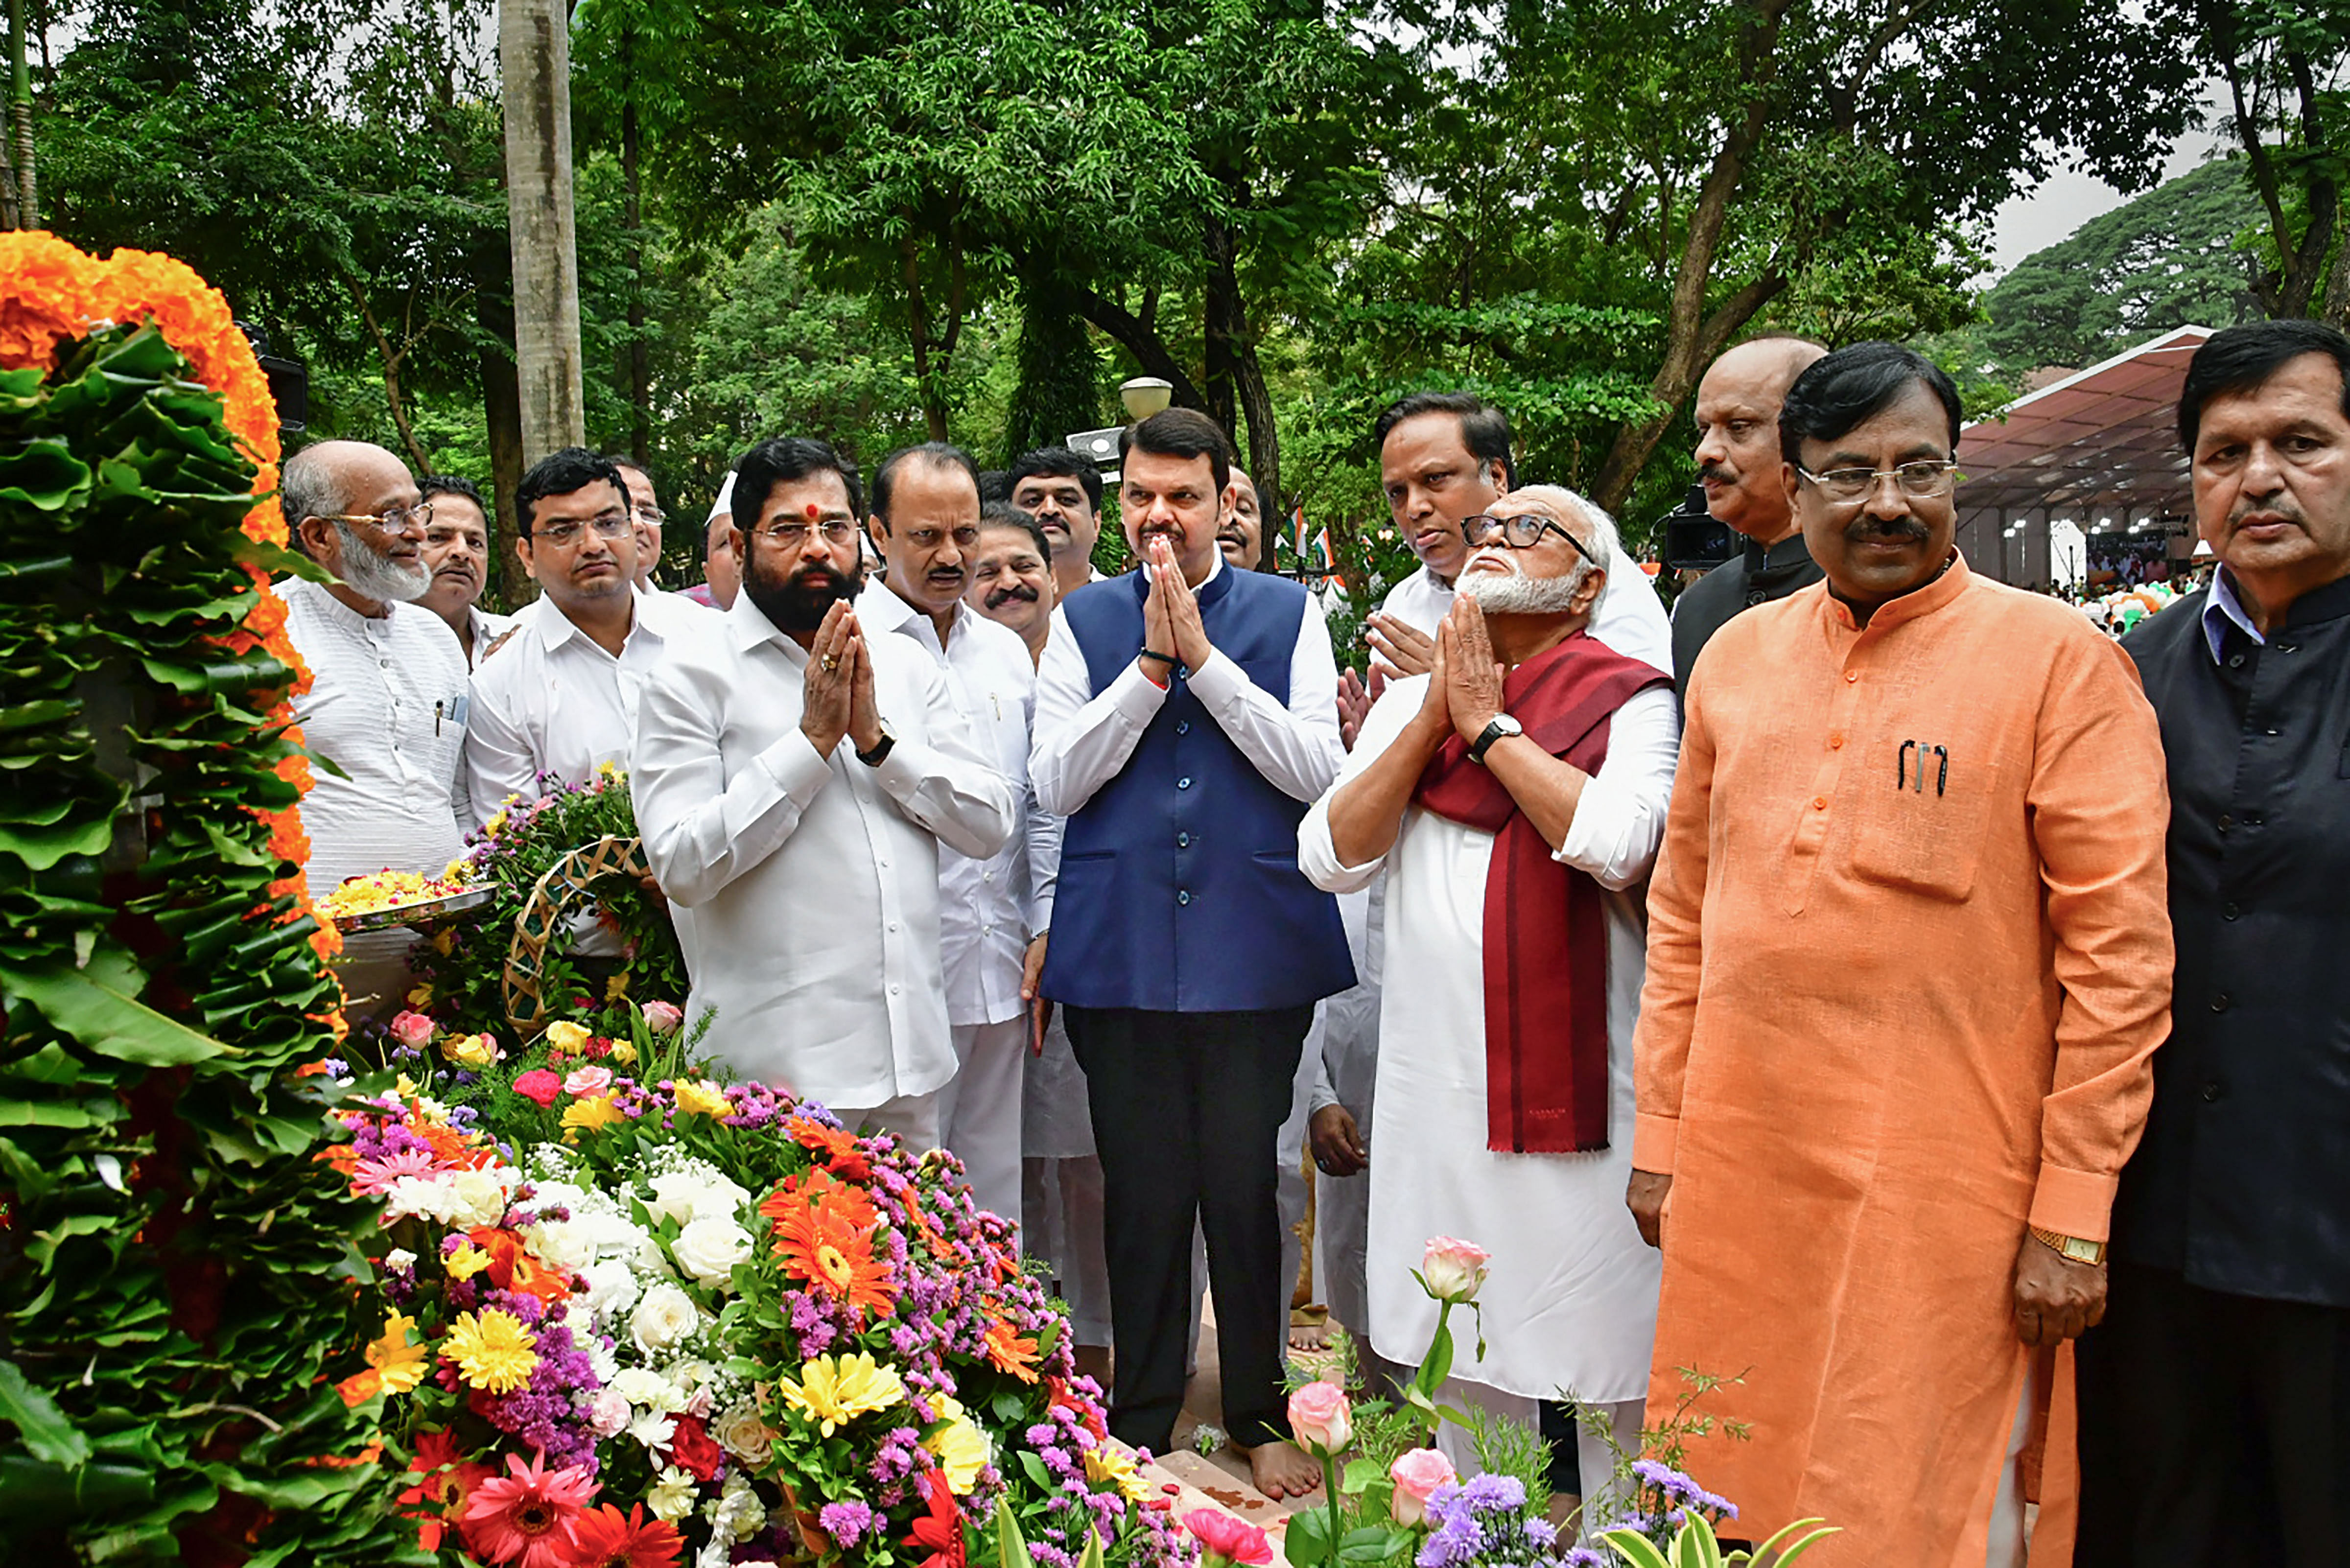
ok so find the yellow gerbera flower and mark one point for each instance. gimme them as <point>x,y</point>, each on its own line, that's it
<point>961,1446</point>
<point>700,1095</point>
<point>400,1364</point>
<point>592,1111</point>
<point>494,1350</point>
<point>834,1390</point>
<point>1113,1467</point>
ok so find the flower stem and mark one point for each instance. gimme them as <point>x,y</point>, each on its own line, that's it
<point>1330,1491</point>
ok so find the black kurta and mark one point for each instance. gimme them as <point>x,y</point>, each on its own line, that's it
<point>2243,1183</point>
<point>1756,576</point>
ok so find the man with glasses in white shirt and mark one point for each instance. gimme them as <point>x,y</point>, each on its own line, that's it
<point>559,699</point>
<point>795,780</point>
<point>387,701</point>
<point>993,912</point>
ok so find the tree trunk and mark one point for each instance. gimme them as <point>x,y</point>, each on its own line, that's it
<point>640,395</point>
<point>930,370</point>
<point>1691,337</point>
<point>502,415</point>
<point>20,121</point>
<point>535,65</point>
<point>1221,302</point>
<point>1140,338</point>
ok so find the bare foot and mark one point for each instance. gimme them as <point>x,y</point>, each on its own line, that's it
<point>1309,1336</point>
<point>1282,1470</point>
<point>1093,1361</point>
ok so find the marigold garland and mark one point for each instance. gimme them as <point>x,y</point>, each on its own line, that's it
<point>56,292</point>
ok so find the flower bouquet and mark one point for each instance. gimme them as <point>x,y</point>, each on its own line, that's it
<point>461,967</point>
<point>629,1312</point>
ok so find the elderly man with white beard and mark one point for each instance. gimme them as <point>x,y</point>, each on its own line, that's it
<point>1516,794</point>
<point>387,699</point>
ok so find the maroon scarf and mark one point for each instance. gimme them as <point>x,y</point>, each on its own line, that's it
<point>1546,927</point>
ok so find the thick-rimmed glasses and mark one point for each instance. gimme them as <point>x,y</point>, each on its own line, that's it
<point>1920,480</point>
<point>1520,533</point>
<point>566,532</point>
<point>792,535</point>
<point>391,519</point>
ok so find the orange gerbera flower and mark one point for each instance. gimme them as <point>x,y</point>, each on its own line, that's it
<point>819,1189</point>
<point>1010,1352</point>
<point>818,1243</point>
<point>837,1146</point>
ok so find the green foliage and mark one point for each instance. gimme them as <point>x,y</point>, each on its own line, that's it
<point>2173,257</point>
<point>175,1270</point>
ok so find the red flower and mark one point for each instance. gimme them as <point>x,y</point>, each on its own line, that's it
<point>939,1532</point>
<point>606,1539</point>
<point>528,1516</point>
<point>539,1085</point>
<point>692,1447</point>
<point>1233,1540</point>
<point>441,1495</point>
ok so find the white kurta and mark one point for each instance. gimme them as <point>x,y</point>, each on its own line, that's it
<point>1570,1306</point>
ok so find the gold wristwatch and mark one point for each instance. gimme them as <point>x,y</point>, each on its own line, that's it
<point>2072,1247</point>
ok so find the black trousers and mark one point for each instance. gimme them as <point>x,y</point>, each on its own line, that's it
<point>2215,1429</point>
<point>1186,1108</point>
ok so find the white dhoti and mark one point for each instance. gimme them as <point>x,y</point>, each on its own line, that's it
<point>981,1111</point>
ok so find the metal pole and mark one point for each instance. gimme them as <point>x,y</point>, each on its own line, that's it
<point>534,61</point>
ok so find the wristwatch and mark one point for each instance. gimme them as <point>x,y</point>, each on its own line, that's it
<point>1502,727</point>
<point>2072,1247</point>
<point>880,752</point>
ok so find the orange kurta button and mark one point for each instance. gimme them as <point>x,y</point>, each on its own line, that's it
<point>1851,675</point>
<point>1819,803</point>
<point>1835,742</point>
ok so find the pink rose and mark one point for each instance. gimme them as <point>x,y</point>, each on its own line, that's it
<point>587,1081</point>
<point>539,1085</point>
<point>663,1018</point>
<point>1228,1539</point>
<point>1452,1271</point>
<point>1417,1474</point>
<point>1320,1418</point>
<point>414,1030</point>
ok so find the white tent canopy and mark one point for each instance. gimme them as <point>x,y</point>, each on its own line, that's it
<point>2099,447</point>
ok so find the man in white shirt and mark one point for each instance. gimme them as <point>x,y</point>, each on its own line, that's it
<point>1185,715</point>
<point>1062,490</point>
<point>457,550</point>
<point>644,507</point>
<point>1011,581</point>
<point>559,697</point>
<point>387,701</point>
<point>1515,796</point>
<point>993,912</point>
<point>794,780</point>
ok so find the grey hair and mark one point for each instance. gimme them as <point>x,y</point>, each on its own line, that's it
<point>308,487</point>
<point>1598,532</point>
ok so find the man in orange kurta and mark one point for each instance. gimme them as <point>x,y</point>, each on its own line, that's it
<point>1908,961</point>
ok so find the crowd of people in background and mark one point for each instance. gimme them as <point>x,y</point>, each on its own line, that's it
<point>1869,985</point>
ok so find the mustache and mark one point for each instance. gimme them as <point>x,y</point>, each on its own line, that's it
<point>1867,527</point>
<point>2284,511</point>
<point>997,598</point>
<point>1715,470</point>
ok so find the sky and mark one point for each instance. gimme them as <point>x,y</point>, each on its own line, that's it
<point>2066,200</point>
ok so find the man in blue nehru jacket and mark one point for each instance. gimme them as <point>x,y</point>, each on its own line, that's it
<point>1186,716</point>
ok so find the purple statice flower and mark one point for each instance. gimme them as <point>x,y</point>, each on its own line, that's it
<point>847,1522</point>
<point>1541,1532</point>
<point>1584,1557</point>
<point>897,1459</point>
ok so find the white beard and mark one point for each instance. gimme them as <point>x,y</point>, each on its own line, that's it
<point>370,573</point>
<point>1518,594</point>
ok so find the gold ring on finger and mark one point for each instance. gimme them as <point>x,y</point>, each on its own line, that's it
<point>830,663</point>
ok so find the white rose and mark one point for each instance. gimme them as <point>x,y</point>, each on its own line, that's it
<point>709,1247</point>
<point>480,1198</point>
<point>398,1261</point>
<point>742,1434</point>
<point>563,1246</point>
<point>687,1195</point>
<point>664,1316</point>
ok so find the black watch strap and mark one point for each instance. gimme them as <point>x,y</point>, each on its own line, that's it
<point>880,752</point>
<point>1502,727</point>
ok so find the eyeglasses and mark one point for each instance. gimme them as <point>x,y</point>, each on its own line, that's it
<point>965,538</point>
<point>565,532</point>
<point>1518,533</point>
<point>791,535</point>
<point>391,519</point>
<point>652,516</point>
<point>1919,481</point>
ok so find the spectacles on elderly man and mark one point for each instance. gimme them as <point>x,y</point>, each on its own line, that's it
<point>391,519</point>
<point>1520,532</point>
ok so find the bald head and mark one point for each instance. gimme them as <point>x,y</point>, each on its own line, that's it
<point>322,486</point>
<point>1738,433</point>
